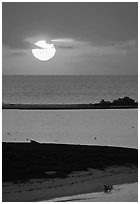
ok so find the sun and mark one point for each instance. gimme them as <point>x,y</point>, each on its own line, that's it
<point>45,52</point>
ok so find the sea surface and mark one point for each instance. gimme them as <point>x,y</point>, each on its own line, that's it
<point>67,89</point>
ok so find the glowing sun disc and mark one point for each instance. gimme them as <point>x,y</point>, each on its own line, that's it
<point>46,51</point>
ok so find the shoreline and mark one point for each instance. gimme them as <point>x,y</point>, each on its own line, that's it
<point>66,106</point>
<point>118,194</point>
<point>55,171</point>
<point>76,183</point>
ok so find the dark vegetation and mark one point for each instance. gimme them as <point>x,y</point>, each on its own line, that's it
<point>125,102</point>
<point>23,161</point>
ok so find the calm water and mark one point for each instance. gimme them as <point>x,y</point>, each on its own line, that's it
<point>67,89</point>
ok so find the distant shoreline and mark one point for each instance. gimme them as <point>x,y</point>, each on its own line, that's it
<point>67,106</point>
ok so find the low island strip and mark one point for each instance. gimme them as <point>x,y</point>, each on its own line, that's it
<point>120,103</point>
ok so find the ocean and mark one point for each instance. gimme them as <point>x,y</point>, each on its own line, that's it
<point>66,89</point>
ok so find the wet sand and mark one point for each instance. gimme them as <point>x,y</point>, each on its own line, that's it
<point>119,193</point>
<point>37,172</point>
<point>76,183</point>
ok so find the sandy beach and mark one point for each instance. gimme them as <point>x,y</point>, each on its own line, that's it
<point>94,127</point>
<point>120,193</point>
<point>83,169</point>
<point>37,172</point>
<point>76,183</point>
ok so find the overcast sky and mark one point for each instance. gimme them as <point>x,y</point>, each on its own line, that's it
<point>90,38</point>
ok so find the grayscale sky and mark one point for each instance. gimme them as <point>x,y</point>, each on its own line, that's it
<point>90,38</point>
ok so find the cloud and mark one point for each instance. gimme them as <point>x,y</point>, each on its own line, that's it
<point>75,57</point>
<point>83,48</point>
<point>65,46</point>
<point>7,51</point>
<point>64,40</point>
<point>129,48</point>
<point>33,40</point>
<point>67,43</point>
